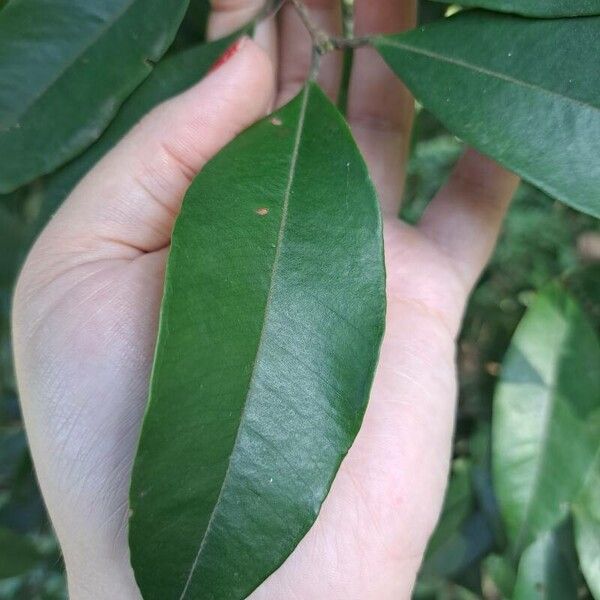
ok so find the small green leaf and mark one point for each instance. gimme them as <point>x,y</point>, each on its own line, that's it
<point>523,91</point>
<point>94,55</point>
<point>546,571</point>
<point>539,8</point>
<point>546,416</point>
<point>17,554</point>
<point>269,334</point>
<point>586,512</point>
<point>170,77</point>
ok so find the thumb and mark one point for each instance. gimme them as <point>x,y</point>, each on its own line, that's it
<point>128,202</point>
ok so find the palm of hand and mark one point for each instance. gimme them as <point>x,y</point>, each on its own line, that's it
<point>85,327</point>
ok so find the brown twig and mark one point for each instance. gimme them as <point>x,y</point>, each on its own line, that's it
<point>322,42</point>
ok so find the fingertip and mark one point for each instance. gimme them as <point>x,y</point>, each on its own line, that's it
<point>245,64</point>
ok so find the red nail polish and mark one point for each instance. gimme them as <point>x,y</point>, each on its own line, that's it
<point>229,53</point>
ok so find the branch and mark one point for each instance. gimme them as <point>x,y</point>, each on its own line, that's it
<point>322,42</point>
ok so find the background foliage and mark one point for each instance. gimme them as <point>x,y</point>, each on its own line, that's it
<point>471,554</point>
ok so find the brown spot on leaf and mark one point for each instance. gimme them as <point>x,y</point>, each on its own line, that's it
<point>262,211</point>
<point>277,122</point>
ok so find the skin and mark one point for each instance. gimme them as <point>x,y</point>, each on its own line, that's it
<point>87,301</point>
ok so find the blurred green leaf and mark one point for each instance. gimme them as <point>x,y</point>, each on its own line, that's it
<point>170,77</point>
<point>480,450</point>
<point>499,572</point>
<point>17,554</point>
<point>539,8</point>
<point>519,90</point>
<point>429,11</point>
<point>458,505</point>
<point>546,571</point>
<point>463,548</point>
<point>13,235</point>
<point>94,55</point>
<point>546,415</point>
<point>586,512</point>
<point>193,27</point>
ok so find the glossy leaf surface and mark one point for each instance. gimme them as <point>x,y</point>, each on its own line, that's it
<point>539,8</point>
<point>586,514</point>
<point>269,335</point>
<point>546,416</point>
<point>546,570</point>
<point>94,55</point>
<point>17,554</point>
<point>170,77</point>
<point>521,91</point>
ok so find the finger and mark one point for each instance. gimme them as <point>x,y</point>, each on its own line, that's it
<point>465,216</point>
<point>295,49</point>
<point>227,16</point>
<point>380,108</point>
<point>129,201</point>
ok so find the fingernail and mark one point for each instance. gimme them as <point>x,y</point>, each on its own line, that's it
<point>228,54</point>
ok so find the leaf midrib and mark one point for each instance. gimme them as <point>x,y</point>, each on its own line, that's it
<point>70,64</point>
<point>484,71</point>
<point>279,244</point>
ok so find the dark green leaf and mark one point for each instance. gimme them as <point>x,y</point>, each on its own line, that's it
<point>429,11</point>
<point>457,505</point>
<point>12,237</point>
<point>522,91</point>
<point>546,571</point>
<point>193,27</point>
<point>94,55</point>
<point>17,554</point>
<point>546,415</point>
<point>587,531</point>
<point>270,329</point>
<point>170,77</point>
<point>463,548</point>
<point>481,452</point>
<point>539,8</point>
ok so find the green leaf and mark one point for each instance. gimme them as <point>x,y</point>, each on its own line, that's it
<point>12,239</point>
<point>458,504</point>
<point>499,573</point>
<point>546,415</point>
<point>170,77</point>
<point>539,8</point>
<point>18,553</point>
<point>430,11</point>
<point>94,55</point>
<point>522,91</point>
<point>586,512</point>
<point>546,571</point>
<point>269,334</point>
<point>463,548</point>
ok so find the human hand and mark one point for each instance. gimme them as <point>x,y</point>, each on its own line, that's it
<point>86,310</point>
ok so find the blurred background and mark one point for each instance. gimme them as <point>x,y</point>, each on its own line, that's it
<point>542,241</point>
